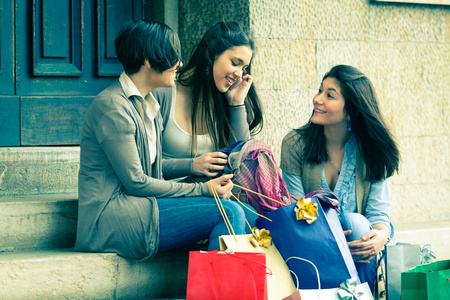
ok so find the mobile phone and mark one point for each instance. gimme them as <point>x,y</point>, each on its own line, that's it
<point>236,84</point>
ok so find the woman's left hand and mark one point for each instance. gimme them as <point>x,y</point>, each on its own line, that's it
<point>365,249</point>
<point>237,95</point>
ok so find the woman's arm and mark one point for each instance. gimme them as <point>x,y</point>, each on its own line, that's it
<point>365,249</point>
<point>239,126</point>
<point>377,212</point>
<point>294,184</point>
<point>115,132</point>
<point>238,114</point>
<point>379,204</point>
<point>176,167</point>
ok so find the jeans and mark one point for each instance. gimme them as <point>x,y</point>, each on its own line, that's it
<point>187,220</point>
<point>359,226</point>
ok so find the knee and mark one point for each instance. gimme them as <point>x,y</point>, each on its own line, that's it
<point>357,223</point>
<point>235,214</point>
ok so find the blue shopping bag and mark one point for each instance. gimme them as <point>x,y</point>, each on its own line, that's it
<point>323,243</point>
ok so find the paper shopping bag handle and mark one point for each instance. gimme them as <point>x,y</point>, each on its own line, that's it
<point>317,271</point>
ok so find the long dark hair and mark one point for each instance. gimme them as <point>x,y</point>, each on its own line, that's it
<point>198,74</point>
<point>376,144</point>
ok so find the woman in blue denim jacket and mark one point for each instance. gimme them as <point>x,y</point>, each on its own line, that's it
<point>347,148</point>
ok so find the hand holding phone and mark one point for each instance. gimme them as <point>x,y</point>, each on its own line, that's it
<point>236,84</point>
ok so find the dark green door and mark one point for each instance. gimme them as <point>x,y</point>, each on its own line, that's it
<point>55,56</point>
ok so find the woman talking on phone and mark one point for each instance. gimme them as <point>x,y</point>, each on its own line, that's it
<point>212,105</point>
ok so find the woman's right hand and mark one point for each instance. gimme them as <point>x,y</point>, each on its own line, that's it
<point>237,96</point>
<point>223,186</point>
<point>209,164</point>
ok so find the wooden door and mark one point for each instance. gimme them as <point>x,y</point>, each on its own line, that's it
<point>54,60</point>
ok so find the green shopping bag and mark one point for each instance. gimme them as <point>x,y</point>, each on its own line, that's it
<point>427,282</point>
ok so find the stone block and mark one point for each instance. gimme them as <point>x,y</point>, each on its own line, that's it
<point>415,202</point>
<point>319,20</point>
<point>413,112</point>
<point>196,16</point>
<point>408,23</point>
<point>38,222</point>
<point>58,275</point>
<point>283,110</point>
<point>65,274</point>
<point>39,170</point>
<point>284,64</point>
<point>165,275</point>
<point>332,53</point>
<point>407,65</point>
<point>424,160</point>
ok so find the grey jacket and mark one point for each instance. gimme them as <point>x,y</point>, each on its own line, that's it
<point>117,209</point>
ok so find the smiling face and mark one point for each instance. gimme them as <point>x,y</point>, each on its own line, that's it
<point>329,105</point>
<point>230,66</point>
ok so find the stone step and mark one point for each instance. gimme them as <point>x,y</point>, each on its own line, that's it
<point>64,274</point>
<point>49,221</point>
<point>38,222</point>
<point>436,233</point>
<point>38,170</point>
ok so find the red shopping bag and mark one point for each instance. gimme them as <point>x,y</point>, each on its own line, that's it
<point>221,275</point>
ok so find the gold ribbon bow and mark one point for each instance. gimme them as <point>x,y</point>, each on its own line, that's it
<point>306,210</point>
<point>261,237</point>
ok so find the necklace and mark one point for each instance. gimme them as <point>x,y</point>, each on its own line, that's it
<point>331,161</point>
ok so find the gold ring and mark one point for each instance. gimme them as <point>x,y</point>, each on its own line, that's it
<point>208,168</point>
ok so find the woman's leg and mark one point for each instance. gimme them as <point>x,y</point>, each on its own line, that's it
<point>184,221</point>
<point>359,226</point>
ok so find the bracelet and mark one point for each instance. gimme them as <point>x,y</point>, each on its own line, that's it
<point>236,105</point>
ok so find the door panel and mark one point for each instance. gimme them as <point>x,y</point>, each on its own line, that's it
<point>9,121</point>
<point>6,48</point>
<point>52,120</point>
<point>57,47</point>
<point>111,14</point>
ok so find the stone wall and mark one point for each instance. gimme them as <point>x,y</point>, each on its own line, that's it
<point>403,48</point>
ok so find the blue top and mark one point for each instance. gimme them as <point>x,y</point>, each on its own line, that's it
<point>378,201</point>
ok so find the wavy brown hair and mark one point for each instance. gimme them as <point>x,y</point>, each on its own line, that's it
<point>375,141</point>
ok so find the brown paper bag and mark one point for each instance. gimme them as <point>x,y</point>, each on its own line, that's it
<point>280,283</point>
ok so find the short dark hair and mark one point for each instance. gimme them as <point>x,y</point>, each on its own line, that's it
<point>139,40</point>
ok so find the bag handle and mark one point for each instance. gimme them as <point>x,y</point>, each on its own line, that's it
<point>222,210</point>
<point>317,272</point>
<point>224,214</point>
<point>261,195</point>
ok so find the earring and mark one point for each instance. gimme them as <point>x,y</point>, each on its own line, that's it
<point>349,127</point>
